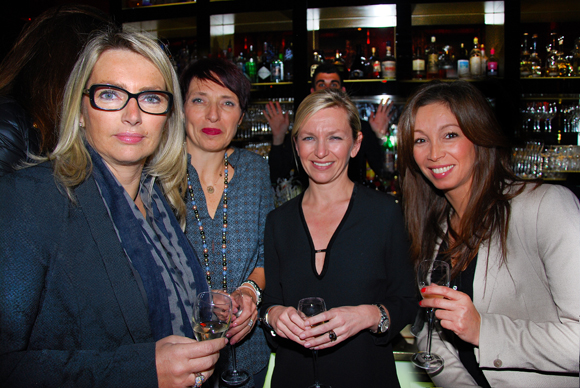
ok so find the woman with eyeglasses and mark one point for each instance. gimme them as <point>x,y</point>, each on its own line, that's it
<point>97,278</point>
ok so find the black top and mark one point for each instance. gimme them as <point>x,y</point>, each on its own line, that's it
<point>282,159</point>
<point>366,262</point>
<point>464,283</point>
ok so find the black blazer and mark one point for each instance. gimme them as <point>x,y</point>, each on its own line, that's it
<point>73,313</point>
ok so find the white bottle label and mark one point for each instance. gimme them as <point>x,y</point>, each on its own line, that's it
<point>263,73</point>
<point>389,69</point>
<point>463,68</point>
<point>475,66</point>
<point>418,65</point>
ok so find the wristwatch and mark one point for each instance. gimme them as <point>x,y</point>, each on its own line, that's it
<point>384,322</point>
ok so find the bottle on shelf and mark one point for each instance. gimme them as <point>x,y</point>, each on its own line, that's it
<point>264,69</point>
<point>552,57</point>
<point>475,59</point>
<point>277,69</point>
<point>418,64</point>
<point>483,61</point>
<point>446,68</point>
<point>317,59</point>
<point>463,63</point>
<point>357,68</point>
<point>339,63</point>
<point>492,65</point>
<point>389,64</point>
<point>240,62</point>
<point>432,60</point>
<point>289,63</point>
<point>563,61</point>
<point>525,65</point>
<point>576,59</point>
<point>252,65</point>
<point>374,64</point>
<point>535,61</point>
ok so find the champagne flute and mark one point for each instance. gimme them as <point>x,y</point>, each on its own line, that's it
<point>309,307</point>
<point>234,377</point>
<point>212,314</point>
<point>431,272</point>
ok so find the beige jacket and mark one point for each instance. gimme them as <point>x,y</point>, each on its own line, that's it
<point>530,308</point>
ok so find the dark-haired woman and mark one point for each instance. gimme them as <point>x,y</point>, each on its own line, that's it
<point>510,318</point>
<point>228,199</point>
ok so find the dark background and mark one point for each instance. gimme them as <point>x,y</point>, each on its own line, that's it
<point>17,13</point>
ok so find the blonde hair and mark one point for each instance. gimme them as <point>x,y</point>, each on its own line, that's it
<point>323,99</point>
<point>71,161</point>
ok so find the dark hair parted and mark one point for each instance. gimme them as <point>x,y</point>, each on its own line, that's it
<point>222,72</point>
<point>37,67</point>
<point>426,208</point>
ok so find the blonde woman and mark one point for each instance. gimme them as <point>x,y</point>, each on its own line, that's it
<point>97,276</point>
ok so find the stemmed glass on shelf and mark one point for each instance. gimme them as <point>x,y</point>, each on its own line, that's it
<point>431,272</point>
<point>309,307</point>
<point>234,377</point>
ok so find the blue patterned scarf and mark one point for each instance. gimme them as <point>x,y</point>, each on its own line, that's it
<point>158,250</point>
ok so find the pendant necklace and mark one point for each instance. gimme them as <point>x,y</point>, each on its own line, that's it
<point>210,188</point>
<point>224,228</point>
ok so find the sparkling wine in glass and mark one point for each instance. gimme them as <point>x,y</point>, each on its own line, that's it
<point>234,377</point>
<point>309,307</point>
<point>431,272</point>
<point>212,314</point>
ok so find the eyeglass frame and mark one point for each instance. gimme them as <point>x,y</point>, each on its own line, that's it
<point>90,92</point>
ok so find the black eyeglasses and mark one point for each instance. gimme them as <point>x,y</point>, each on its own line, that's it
<point>113,98</point>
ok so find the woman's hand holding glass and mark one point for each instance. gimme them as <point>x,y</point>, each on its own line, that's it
<point>287,323</point>
<point>455,311</point>
<point>245,314</point>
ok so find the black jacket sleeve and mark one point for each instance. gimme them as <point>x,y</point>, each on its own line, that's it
<point>18,137</point>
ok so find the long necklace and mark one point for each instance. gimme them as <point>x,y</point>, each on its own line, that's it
<point>224,229</point>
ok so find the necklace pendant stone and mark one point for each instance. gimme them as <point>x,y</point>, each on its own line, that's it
<point>210,189</point>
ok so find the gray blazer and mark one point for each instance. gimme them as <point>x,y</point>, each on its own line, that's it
<point>530,306</point>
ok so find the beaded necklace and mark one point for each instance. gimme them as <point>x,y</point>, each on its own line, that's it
<point>224,229</point>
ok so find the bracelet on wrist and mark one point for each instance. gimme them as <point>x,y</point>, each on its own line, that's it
<point>257,290</point>
<point>265,321</point>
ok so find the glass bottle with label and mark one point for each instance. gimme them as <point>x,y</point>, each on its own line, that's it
<point>418,64</point>
<point>552,57</point>
<point>289,63</point>
<point>483,61</point>
<point>252,65</point>
<point>277,69</point>
<point>339,63</point>
<point>535,61</point>
<point>375,64</point>
<point>432,60</point>
<point>264,72</point>
<point>316,61</point>
<point>563,61</point>
<point>389,64</point>
<point>463,63</point>
<point>475,59</point>
<point>492,65</point>
<point>525,65</point>
<point>576,59</point>
<point>446,68</point>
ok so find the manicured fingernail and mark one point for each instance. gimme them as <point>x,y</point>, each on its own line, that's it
<point>420,303</point>
<point>423,289</point>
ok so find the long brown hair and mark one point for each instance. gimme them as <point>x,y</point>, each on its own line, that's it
<point>426,208</point>
<point>37,67</point>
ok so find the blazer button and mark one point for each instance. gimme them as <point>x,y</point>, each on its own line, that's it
<point>497,363</point>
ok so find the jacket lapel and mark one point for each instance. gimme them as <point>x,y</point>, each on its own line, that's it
<point>125,281</point>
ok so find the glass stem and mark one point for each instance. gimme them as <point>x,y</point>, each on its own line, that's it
<point>315,364</point>
<point>233,353</point>
<point>430,322</point>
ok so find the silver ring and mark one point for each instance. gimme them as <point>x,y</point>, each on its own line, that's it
<point>199,380</point>
<point>332,336</point>
<point>251,322</point>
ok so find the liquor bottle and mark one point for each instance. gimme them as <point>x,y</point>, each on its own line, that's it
<point>289,63</point>
<point>475,59</point>
<point>418,64</point>
<point>316,61</point>
<point>357,68</point>
<point>389,64</point>
<point>463,63</point>
<point>241,61</point>
<point>277,68</point>
<point>563,61</point>
<point>375,64</point>
<point>483,61</point>
<point>339,63</point>
<point>535,61</point>
<point>552,57</point>
<point>264,72</point>
<point>576,59</point>
<point>525,65</point>
<point>432,60</point>
<point>492,65</point>
<point>446,68</point>
<point>252,65</point>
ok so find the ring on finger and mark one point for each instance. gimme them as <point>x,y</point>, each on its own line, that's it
<point>332,335</point>
<point>199,380</point>
<point>251,322</point>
